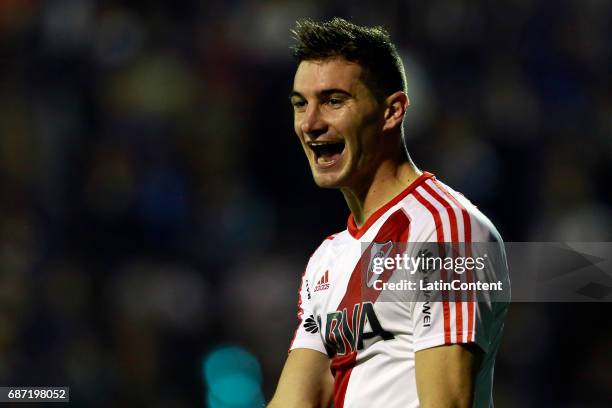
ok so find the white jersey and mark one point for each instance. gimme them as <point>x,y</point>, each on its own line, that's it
<point>372,344</point>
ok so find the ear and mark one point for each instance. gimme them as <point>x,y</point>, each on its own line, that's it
<point>396,103</point>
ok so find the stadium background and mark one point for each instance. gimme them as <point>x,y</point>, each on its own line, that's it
<point>155,204</point>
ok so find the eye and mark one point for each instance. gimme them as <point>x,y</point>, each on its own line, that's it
<point>335,102</point>
<point>298,104</point>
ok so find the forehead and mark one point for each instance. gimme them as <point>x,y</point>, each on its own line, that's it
<point>320,75</point>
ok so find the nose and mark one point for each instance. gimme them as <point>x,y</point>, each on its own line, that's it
<point>313,124</point>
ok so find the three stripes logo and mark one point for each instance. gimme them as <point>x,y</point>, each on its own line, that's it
<point>323,283</point>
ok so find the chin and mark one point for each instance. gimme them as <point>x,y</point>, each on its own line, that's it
<point>328,180</point>
<point>325,183</point>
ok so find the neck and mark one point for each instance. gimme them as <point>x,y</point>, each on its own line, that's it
<point>389,180</point>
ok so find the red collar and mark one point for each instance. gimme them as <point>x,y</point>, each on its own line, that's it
<point>357,232</point>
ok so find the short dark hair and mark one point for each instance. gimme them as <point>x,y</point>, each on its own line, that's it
<point>370,47</point>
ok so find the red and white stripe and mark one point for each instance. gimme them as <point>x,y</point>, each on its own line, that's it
<point>453,224</point>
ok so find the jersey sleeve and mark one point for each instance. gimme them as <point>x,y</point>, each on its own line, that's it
<point>307,334</point>
<point>457,317</point>
<point>443,323</point>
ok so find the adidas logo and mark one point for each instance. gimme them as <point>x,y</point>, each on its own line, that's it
<point>323,283</point>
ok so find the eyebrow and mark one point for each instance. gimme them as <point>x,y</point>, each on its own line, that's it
<point>325,92</point>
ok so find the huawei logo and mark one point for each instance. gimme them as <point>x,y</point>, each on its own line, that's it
<point>310,325</point>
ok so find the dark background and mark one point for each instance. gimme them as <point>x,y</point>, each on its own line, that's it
<point>155,204</point>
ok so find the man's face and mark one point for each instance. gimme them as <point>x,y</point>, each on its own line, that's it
<point>338,120</point>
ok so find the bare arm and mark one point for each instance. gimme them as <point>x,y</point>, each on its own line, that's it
<point>445,375</point>
<point>306,381</point>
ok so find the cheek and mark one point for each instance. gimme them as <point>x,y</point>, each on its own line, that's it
<point>366,141</point>
<point>295,124</point>
<point>298,131</point>
<point>358,132</point>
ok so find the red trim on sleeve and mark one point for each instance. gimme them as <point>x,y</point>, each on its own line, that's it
<point>467,229</point>
<point>455,238</point>
<point>440,237</point>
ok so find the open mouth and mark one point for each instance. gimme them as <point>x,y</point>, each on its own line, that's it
<point>326,152</point>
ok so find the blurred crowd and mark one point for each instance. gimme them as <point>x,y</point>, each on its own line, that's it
<point>154,201</point>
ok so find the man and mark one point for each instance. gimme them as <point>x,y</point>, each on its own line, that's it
<point>349,99</point>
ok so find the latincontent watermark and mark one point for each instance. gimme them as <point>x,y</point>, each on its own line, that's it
<point>438,285</point>
<point>487,271</point>
<point>434,272</point>
<point>425,262</point>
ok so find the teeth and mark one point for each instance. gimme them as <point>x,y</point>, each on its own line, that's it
<point>322,143</point>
